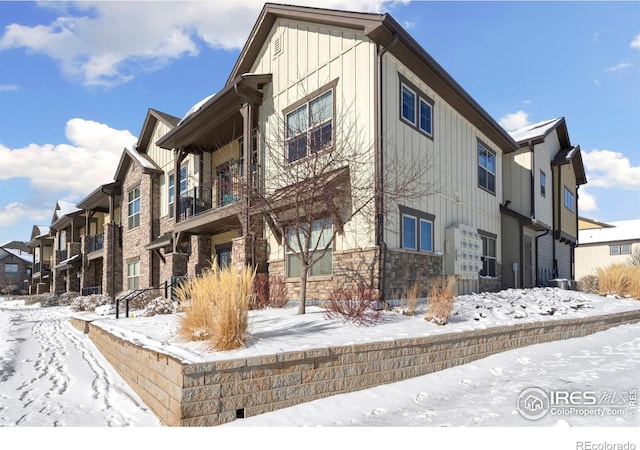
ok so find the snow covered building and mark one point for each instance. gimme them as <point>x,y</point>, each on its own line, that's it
<point>66,224</point>
<point>41,246</point>
<point>603,244</point>
<point>540,211</point>
<point>314,75</point>
<point>15,268</point>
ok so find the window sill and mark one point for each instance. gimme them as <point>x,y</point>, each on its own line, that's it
<point>310,278</point>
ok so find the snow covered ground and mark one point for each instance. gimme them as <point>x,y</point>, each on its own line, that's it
<point>52,375</point>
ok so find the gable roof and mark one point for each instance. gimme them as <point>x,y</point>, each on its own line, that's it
<point>39,232</point>
<point>150,121</point>
<point>63,213</point>
<point>573,156</point>
<point>144,161</point>
<point>16,245</point>
<point>623,230</point>
<point>537,132</point>
<point>23,255</point>
<point>383,30</point>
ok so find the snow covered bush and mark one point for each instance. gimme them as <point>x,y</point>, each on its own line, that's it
<point>216,307</point>
<point>67,298</point>
<point>138,300</point>
<point>356,304</point>
<point>440,301</point>
<point>90,302</point>
<point>46,300</point>
<point>159,305</point>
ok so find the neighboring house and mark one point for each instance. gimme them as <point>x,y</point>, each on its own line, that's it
<point>41,246</point>
<point>603,244</point>
<point>15,268</point>
<point>367,68</point>
<point>540,211</point>
<point>100,241</point>
<point>66,226</point>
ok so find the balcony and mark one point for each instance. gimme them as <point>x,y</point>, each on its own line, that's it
<point>95,243</point>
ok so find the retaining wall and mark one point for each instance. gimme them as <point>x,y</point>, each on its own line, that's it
<point>217,392</point>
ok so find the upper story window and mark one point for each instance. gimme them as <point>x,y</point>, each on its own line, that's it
<point>309,127</point>
<point>416,108</point>
<point>486,168</point>
<point>171,193</point>
<point>569,201</point>
<point>133,207</point>
<point>62,240</point>
<point>184,172</point>
<point>543,184</point>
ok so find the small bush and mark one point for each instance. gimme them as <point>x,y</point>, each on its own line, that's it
<point>90,302</point>
<point>619,279</point>
<point>411,297</point>
<point>216,306</point>
<point>277,291</point>
<point>357,305</point>
<point>67,298</point>
<point>139,301</point>
<point>270,291</point>
<point>440,301</point>
<point>159,305</point>
<point>588,284</point>
<point>261,290</point>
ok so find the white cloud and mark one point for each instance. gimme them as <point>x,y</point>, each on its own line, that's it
<point>78,169</point>
<point>618,67</point>
<point>8,87</point>
<point>636,42</point>
<point>606,168</point>
<point>514,121</point>
<point>596,82</point>
<point>108,43</point>
<point>527,102</point>
<point>14,212</point>
<point>587,202</point>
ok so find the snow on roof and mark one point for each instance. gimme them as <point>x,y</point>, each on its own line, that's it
<point>534,130</point>
<point>25,256</point>
<point>142,159</point>
<point>66,208</point>
<point>44,231</point>
<point>196,107</point>
<point>624,230</point>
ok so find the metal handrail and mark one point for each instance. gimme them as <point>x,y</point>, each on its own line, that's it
<point>136,293</point>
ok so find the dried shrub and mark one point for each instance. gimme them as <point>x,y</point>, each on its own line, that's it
<point>270,291</point>
<point>215,307</point>
<point>261,289</point>
<point>358,305</point>
<point>411,297</point>
<point>588,284</point>
<point>159,305</point>
<point>440,301</point>
<point>90,302</point>
<point>277,291</point>
<point>619,279</point>
<point>67,298</point>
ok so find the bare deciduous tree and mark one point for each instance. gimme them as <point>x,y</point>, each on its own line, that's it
<point>320,173</point>
<point>634,259</point>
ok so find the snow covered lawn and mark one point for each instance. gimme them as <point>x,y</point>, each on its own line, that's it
<point>281,330</point>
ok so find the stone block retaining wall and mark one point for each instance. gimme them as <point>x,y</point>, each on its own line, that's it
<point>217,392</point>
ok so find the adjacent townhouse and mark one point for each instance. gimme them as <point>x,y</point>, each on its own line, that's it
<point>540,209</point>
<point>66,227</point>
<point>41,247</point>
<point>15,268</point>
<point>313,76</point>
<point>603,244</point>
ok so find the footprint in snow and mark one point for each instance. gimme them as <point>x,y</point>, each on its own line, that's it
<point>375,412</point>
<point>496,372</point>
<point>420,397</point>
<point>523,360</point>
<point>467,383</point>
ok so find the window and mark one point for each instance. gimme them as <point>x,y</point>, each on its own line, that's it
<point>426,235</point>
<point>614,249</point>
<point>408,105</point>
<point>568,199</point>
<point>409,235</point>
<point>416,229</point>
<point>318,239</point>
<point>543,184</point>
<point>172,193</point>
<point>133,208</point>
<point>310,127</point>
<point>62,240</point>
<point>133,275</point>
<point>486,168</point>
<point>11,269</point>
<point>183,181</point>
<point>488,256</point>
<point>425,116</point>
<point>416,108</point>
<point>625,249</point>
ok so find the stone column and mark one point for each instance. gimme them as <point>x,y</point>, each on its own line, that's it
<point>200,257</point>
<point>111,260</point>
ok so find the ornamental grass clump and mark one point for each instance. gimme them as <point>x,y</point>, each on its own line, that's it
<point>619,279</point>
<point>216,307</point>
<point>440,301</point>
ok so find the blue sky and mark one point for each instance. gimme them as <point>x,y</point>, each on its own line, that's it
<point>77,78</point>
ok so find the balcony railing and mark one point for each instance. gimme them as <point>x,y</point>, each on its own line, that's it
<point>96,242</point>
<point>221,191</point>
<point>45,267</point>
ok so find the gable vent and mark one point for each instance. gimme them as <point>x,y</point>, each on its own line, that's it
<point>278,47</point>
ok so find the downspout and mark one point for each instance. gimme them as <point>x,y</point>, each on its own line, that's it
<point>533,203</point>
<point>379,228</point>
<point>558,213</point>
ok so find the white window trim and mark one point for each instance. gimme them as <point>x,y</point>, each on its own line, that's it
<point>416,232</point>
<point>422,101</point>
<point>415,110</point>
<point>310,128</point>
<point>488,150</point>
<point>420,235</point>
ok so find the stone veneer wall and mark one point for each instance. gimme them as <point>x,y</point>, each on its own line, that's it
<point>216,392</point>
<point>350,268</point>
<point>402,268</point>
<point>492,284</point>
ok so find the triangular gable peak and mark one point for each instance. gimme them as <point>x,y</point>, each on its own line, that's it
<point>538,132</point>
<point>573,156</point>
<point>148,128</point>
<point>385,32</point>
<point>62,209</point>
<point>129,156</point>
